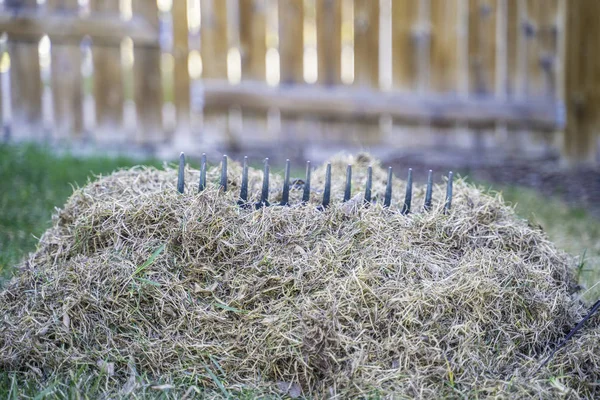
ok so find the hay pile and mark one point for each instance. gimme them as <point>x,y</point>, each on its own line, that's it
<point>352,301</point>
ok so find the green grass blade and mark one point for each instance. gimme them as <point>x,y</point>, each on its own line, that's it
<point>150,260</point>
<point>217,381</point>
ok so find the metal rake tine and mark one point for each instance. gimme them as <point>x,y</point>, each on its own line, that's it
<point>264,195</point>
<point>224,173</point>
<point>369,185</point>
<point>327,191</point>
<point>285,196</point>
<point>388,189</point>
<point>306,193</point>
<point>244,189</point>
<point>408,196</point>
<point>428,191</point>
<point>348,189</point>
<point>181,174</point>
<point>202,184</point>
<point>448,204</point>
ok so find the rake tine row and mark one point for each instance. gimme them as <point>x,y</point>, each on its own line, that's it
<point>285,197</point>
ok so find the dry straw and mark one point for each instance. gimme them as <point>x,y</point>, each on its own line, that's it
<point>349,301</point>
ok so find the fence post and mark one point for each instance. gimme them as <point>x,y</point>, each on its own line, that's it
<point>582,81</point>
<point>147,76</point>
<point>108,79</point>
<point>25,82</point>
<point>67,96</point>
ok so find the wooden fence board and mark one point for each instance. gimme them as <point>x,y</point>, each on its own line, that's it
<point>181,76</point>
<point>366,43</point>
<point>329,41</point>
<point>253,43</point>
<point>108,78</point>
<point>253,49</point>
<point>214,45</point>
<point>291,41</point>
<point>25,82</point>
<point>482,46</point>
<point>513,34</point>
<point>535,79</point>
<point>582,80</point>
<point>548,45</point>
<point>444,45</point>
<point>214,49</point>
<point>404,44</point>
<point>148,85</point>
<point>67,89</point>
<point>30,24</point>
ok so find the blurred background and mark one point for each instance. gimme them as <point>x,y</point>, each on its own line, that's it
<point>506,92</point>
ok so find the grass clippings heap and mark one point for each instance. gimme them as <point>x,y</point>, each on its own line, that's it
<point>136,279</point>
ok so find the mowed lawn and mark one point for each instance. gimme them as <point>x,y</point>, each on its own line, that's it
<point>33,181</point>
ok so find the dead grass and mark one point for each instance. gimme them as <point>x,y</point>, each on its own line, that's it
<point>353,301</point>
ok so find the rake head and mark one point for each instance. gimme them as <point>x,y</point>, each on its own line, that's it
<point>326,201</point>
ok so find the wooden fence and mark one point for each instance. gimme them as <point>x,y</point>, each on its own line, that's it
<point>241,72</point>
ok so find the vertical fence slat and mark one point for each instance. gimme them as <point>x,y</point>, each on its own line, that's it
<point>582,80</point>
<point>548,45</point>
<point>253,44</point>
<point>108,78</point>
<point>291,41</point>
<point>181,78</point>
<point>535,79</point>
<point>366,43</point>
<point>404,41</point>
<point>482,46</point>
<point>329,41</point>
<point>513,35</point>
<point>253,48</point>
<point>25,83</point>
<point>67,81</point>
<point>214,44</point>
<point>214,47</point>
<point>444,45</point>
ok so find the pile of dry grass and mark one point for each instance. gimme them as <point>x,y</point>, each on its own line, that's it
<point>346,302</point>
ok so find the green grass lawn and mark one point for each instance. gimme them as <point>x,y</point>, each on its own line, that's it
<point>33,181</point>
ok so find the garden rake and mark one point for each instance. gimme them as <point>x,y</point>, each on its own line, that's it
<point>306,186</point>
